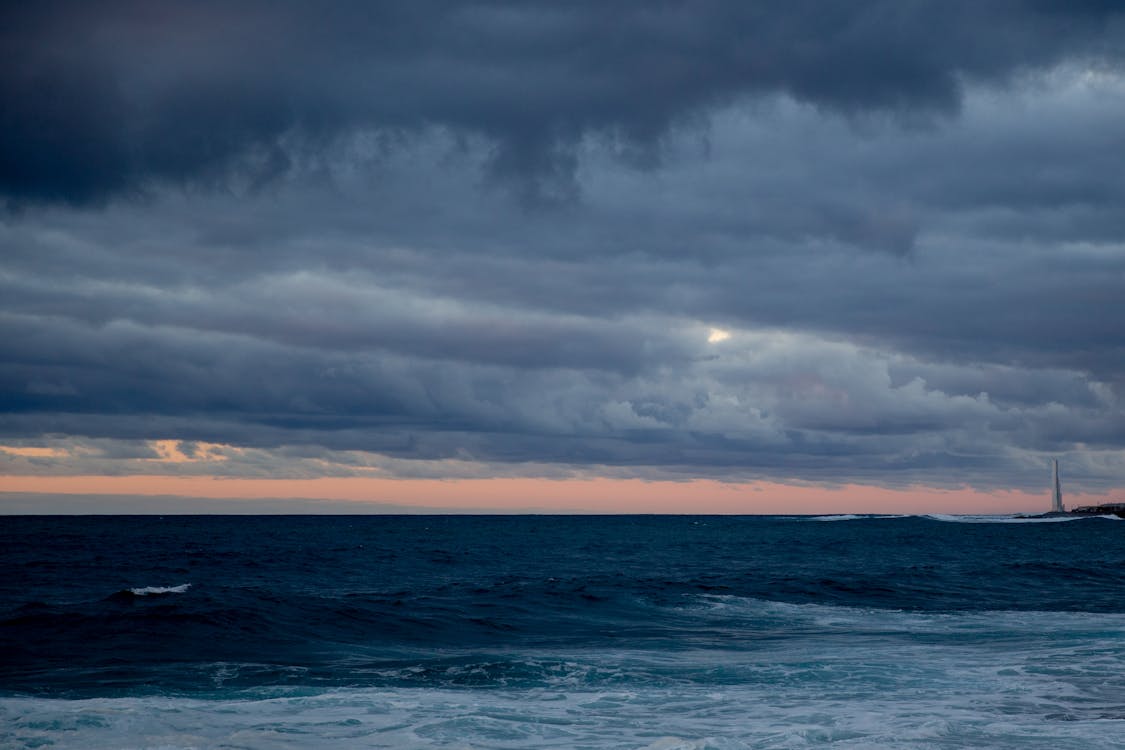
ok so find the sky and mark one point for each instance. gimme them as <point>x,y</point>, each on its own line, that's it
<point>714,256</point>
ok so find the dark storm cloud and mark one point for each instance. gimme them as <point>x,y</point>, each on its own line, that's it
<point>110,100</point>
<point>873,242</point>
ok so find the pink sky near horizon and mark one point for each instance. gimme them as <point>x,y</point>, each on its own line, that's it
<point>599,495</point>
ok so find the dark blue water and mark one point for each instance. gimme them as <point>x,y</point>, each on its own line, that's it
<point>105,612</point>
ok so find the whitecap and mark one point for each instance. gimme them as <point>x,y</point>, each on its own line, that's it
<point>155,590</point>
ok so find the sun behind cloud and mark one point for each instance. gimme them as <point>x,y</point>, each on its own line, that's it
<point>715,335</point>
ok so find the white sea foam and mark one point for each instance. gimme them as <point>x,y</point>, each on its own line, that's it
<point>964,518</point>
<point>1010,518</point>
<point>892,701</point>
<point>855,517</point>
<point>867,621</point>
<point>152,590</point>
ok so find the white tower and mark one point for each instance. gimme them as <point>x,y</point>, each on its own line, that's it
<point>1056,496</point>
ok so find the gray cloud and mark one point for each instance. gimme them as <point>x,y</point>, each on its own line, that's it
<point>908,226</point>
<point>106,102</point>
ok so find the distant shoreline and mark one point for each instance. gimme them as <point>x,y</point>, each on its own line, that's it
<point>1105,509</point>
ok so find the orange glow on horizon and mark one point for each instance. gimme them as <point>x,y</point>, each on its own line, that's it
<point>598,495</point>
<point>33,452</point>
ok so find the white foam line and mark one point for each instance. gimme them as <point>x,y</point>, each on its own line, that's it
<point>855,517</point>
<point>949,518</point>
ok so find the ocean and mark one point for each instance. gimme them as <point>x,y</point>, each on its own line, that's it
<point>658,632</point>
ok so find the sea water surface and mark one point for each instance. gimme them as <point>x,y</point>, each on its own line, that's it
<point>561,632</point>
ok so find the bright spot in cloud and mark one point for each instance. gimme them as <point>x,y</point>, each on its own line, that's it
<point>715,335</point>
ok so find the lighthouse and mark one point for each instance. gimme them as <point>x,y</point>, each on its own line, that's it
<point>1056,495</point>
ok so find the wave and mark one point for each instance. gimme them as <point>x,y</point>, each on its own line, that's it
<point>875,691</point>
<point>1009,518</point>
<point>158,590</point>
<point>857,517</point>
<point>858,620</point>
<point>815,675</point>
<point>962,518</point>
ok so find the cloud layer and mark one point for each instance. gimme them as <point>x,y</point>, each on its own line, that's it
<point>486,239</point>
<point>106,101</point>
